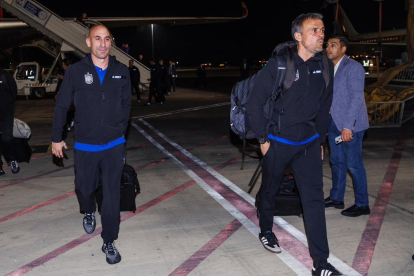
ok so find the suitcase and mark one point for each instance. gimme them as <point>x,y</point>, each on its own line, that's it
<point>23,150</point>
<point>129,190</point>
<point>287,202</point>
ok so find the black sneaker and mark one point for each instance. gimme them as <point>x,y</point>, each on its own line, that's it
<point>112,254</point>
<point>1,170</point>
<point>14,167</point>
<point>89,223</point>
<point>324,269</point>
<point>270,242</point>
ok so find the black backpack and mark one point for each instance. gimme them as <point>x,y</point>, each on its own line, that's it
<point>239,121</point>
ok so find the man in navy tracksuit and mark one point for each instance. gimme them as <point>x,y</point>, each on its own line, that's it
<point>100,87</point>
<point>296,136</point>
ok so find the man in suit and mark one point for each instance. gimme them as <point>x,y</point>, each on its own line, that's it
<point>349,120</point>
<point>172,73</point>
<point>244,69</point>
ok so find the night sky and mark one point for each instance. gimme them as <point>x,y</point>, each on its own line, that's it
<point>254,37</point>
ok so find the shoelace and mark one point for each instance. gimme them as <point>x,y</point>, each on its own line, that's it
<point>111,247</point>
<point>14,164</point>
<point>328,266</point>
<point>271,238</point>
<point>89,218</point>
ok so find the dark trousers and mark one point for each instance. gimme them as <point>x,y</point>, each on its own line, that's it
<point>152,88</point>
<point>135,86</point>
<point>306,164</point>
<point>168,83</point>
<point>87,166</point>
<point>6,128</point>
<point>172,83</point>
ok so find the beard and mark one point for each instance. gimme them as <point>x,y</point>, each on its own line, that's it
<point>313,48</point>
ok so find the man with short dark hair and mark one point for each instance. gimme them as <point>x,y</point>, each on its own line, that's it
<point>154,83</point>
<point>296,134</point>
<point>100,87</point>
<point>135,77</point>
<point>348,120</point>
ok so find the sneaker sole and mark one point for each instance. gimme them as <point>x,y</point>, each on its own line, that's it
<point>120,258</point>
<point>336,207</point>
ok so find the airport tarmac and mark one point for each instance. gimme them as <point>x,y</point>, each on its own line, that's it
<point>194,215</point>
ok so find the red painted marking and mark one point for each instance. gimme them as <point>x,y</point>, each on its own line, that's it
<point>34,176</point>
<point>70,245</point>
<point>210,142</point>
<point>189,265</point>
<point>51,201</point>
<point>35,207</point>
<point>363,256</point>
<point>296,248</point>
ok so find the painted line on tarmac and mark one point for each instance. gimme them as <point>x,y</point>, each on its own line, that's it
<point>35,207</point>
<point>56,199</point>
<point>70,245</point>
<point>180,111</point>
<point>34,176</point>
<point>236,206</point>
<point>198,257</point>
<point>363,256</point>
<point>294,241</point>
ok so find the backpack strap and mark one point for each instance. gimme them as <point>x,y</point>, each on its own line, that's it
<point>325,70</point>
<point>290,68</point>
<point>277,88</point>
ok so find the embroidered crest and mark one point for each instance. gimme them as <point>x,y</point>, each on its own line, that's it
<point>297,75</point>
<point>88,78</point>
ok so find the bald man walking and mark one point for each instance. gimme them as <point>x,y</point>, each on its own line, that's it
<point>100,87</point>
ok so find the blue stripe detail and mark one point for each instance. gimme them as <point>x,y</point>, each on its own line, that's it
<point>286,141</point>
<point>96,148</point>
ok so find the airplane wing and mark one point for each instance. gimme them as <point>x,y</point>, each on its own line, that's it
<point>116,22</point>
<point>13,31</point>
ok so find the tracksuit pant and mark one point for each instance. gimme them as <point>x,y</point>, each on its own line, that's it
<point>135,86</point>
<point>6,129</point>
<point>87,166</point>
<point>305,161</point>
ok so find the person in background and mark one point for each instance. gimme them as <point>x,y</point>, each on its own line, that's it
<point>172,74</point>
<point>348,120</point>
<point>8,95</point>
<point>201,76</point>
<point>244,69</point>
<point>135,77</point>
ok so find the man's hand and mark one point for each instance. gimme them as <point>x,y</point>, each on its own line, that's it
<point>57,148</point>
<point>346,135</point>
<point>264,147</point>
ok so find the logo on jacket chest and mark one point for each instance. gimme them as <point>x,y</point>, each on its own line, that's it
<point>88,78</point>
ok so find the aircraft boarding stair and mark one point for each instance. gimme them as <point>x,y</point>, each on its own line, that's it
<point>70,35</point>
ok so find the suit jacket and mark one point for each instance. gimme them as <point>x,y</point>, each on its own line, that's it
<point>348,108</point>
<point>173,72</point>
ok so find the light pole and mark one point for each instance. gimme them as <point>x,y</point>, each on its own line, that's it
<point>152,37</point>
<point>379,47</point>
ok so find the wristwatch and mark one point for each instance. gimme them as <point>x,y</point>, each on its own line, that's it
<point>262,140</point>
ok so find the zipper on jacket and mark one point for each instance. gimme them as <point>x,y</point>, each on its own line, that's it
<point>102,117</point>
